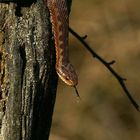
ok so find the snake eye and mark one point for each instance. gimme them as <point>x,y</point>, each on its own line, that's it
<point>67,78</point>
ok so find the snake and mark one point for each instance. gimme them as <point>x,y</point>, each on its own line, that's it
<point>59,18</point>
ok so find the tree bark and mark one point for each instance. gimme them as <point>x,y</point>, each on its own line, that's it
<point>28,80</point>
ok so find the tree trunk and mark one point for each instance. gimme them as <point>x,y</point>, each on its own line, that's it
<point>28,80</point>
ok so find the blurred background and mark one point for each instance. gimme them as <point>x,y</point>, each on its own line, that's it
<point>104,113</point>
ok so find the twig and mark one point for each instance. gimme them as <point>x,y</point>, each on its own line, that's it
<point>108,66</point>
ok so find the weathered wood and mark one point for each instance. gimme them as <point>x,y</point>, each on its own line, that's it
<point>27,72</point>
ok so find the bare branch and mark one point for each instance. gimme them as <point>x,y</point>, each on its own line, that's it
<point>108,66</point>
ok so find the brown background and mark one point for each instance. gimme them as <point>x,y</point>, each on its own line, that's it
<point>104,113</point>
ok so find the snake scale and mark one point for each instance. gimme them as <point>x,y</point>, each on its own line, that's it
<point>59,17</point>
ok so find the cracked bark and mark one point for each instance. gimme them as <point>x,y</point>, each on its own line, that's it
<point>28,79</point>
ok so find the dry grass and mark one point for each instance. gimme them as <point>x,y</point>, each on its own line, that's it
<point>113,29</point>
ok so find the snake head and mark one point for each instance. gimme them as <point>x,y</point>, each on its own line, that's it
<point>67,74</point>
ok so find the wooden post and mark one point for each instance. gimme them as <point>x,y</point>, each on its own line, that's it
<point>28,80</point>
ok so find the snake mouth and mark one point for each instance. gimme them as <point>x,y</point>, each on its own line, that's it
<point>69,81</point>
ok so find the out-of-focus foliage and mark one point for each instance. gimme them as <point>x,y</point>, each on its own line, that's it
<point>104,113</point>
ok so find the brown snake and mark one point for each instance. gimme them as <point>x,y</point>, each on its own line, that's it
<point>59,17</point>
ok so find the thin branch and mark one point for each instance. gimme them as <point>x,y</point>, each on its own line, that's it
<point>108,66</point>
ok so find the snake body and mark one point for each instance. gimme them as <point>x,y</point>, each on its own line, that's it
<point>59,17</point>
